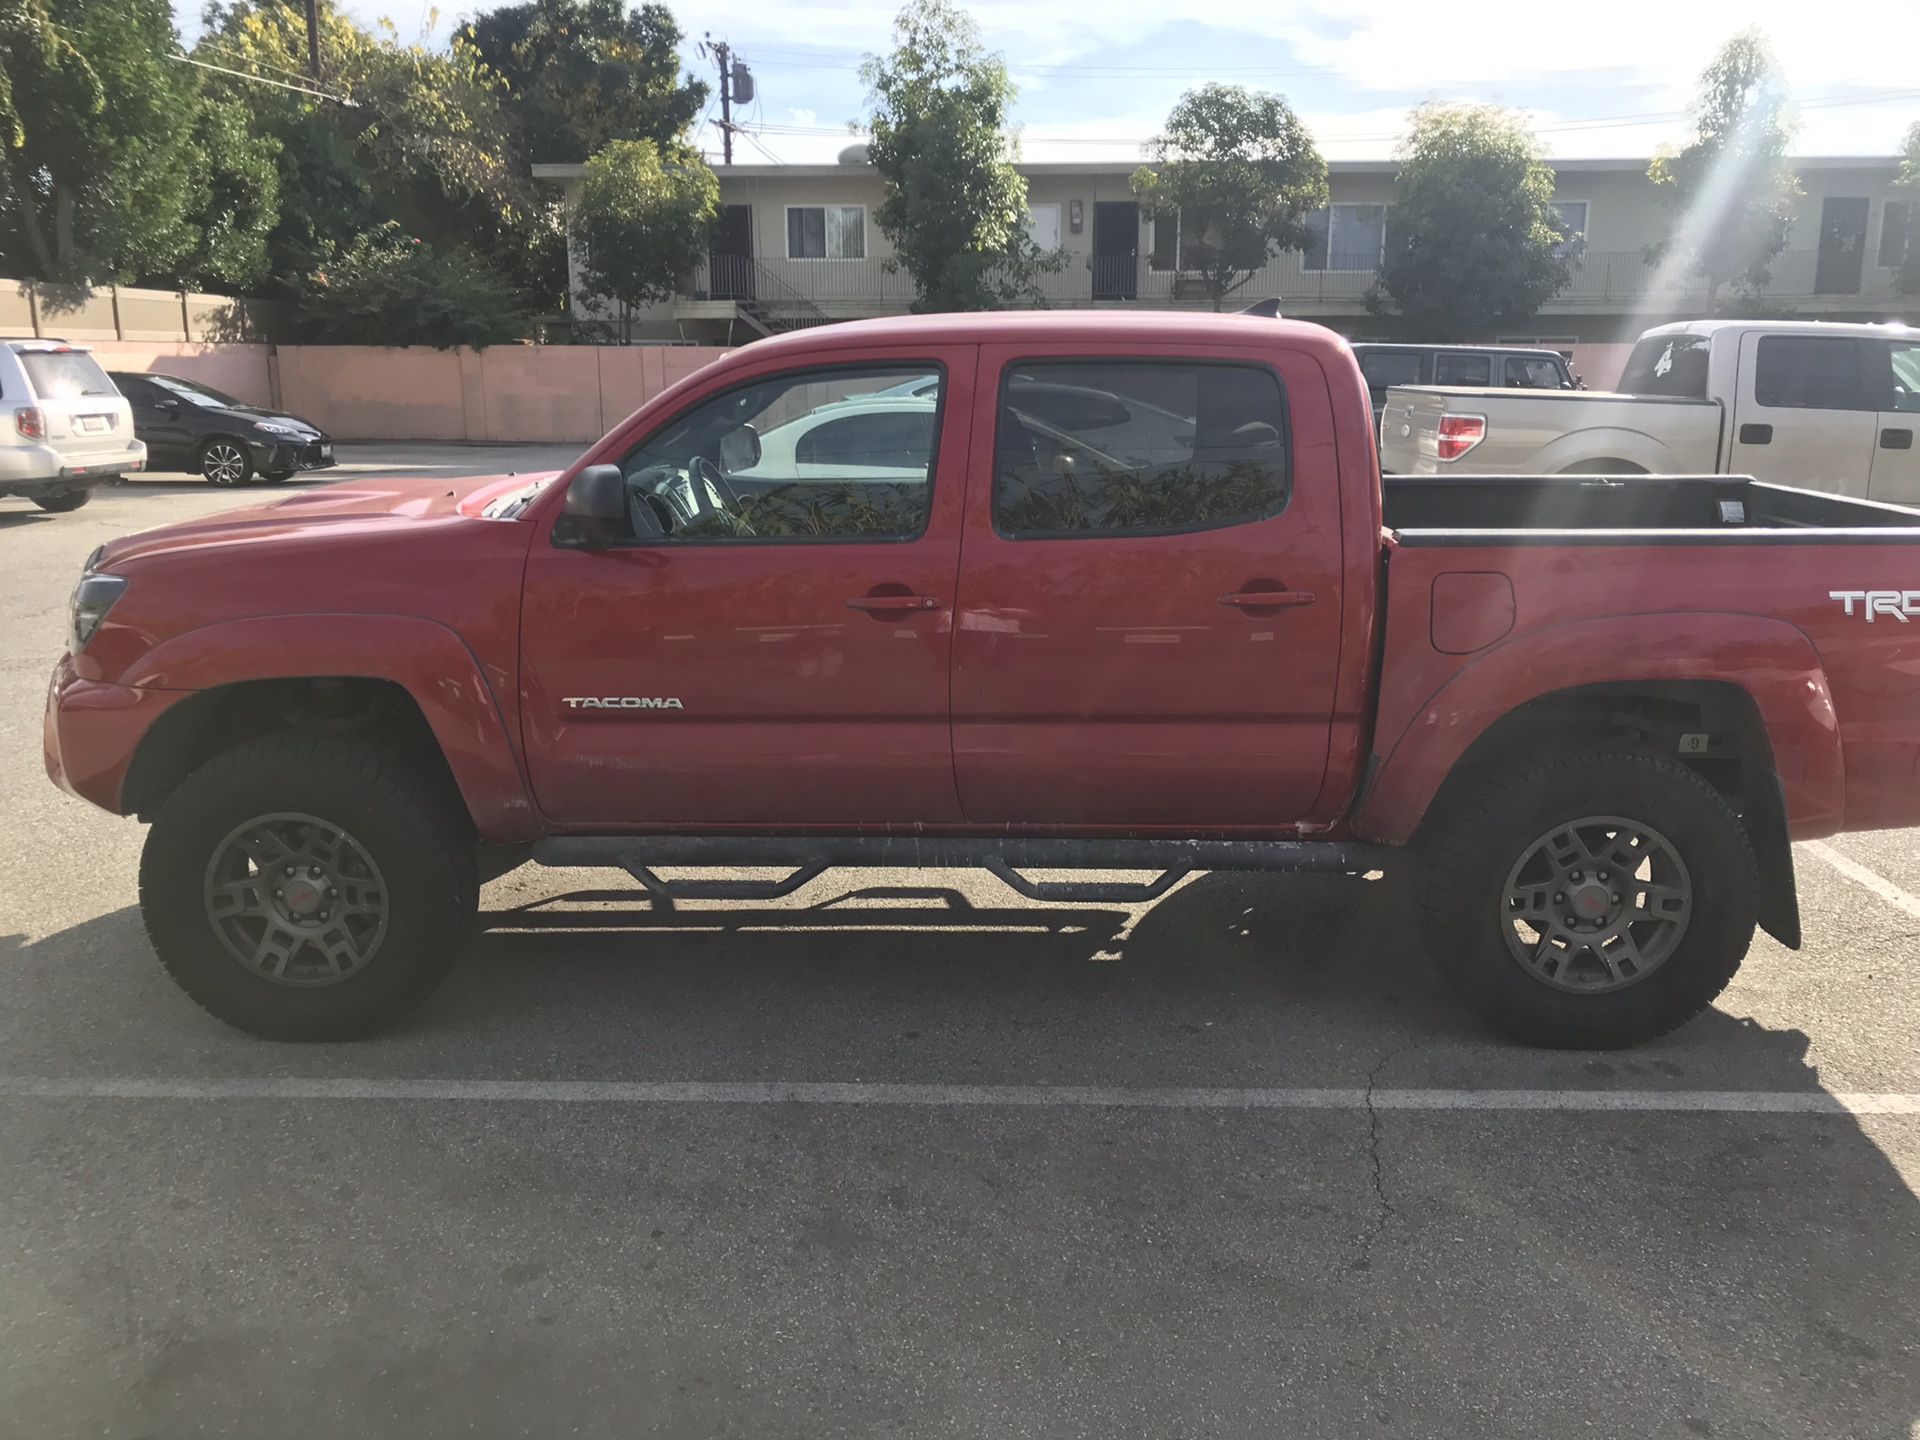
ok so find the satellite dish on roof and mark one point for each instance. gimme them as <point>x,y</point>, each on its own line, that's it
<point>853,155</point>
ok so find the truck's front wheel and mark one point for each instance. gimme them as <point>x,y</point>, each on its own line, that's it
<point>1598,897</point>
<point>307,887</point>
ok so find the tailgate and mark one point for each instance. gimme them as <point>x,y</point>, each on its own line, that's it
<point>1409,430</point>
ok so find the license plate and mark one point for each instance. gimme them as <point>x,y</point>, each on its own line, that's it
<point>93,424</point>
<point>326,452</point>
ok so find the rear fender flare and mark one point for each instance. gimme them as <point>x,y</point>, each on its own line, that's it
<point>1604,443</point>
<point>426,659</point>
<point>1772,661</point>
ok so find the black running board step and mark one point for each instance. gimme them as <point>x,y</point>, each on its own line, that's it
<point>808,856</point>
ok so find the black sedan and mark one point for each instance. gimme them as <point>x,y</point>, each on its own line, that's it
<point>190,426</point>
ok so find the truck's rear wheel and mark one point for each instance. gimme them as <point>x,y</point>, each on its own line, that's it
<point>1598,897</point>
<point>307,887</point>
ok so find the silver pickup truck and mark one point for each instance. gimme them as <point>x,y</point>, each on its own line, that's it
<point>1823,406</point>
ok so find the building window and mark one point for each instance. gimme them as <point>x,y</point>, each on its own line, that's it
<point>1347,237</point>
<point>1043,226</point>
<point>1573,215</point>
<point>1896,233</point>
<point>826,232</point>
<point>1090,448</point>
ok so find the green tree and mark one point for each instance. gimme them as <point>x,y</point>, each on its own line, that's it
<point>642,219</point>
<point>1730,187</point>
<point>1907,182</point>
<point>391,288</point>
<point>1241,173</point>
<point>581,73</point>
<point>1475,245</point>
<point>29,40</point>
<point>100,184</point>
<point>954,206</point>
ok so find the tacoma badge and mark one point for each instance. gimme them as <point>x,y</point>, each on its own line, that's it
<point>622,702</point>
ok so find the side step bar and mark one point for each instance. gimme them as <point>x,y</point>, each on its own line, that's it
<point>809,856</point>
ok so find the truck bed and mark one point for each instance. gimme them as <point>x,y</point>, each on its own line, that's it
<point>1633,509</point>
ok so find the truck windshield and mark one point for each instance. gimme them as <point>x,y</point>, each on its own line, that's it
<point>1667,365</point>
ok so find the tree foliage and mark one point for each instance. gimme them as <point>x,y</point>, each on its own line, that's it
<point>581,73</point>
<point>1907,182</point>
<point>101,182</point>
<point>955,207</point>
<point>1475,245</point>
<point>390,288</point>
<point>1730,187</point>
<point>1242,173</point>
<point>642,218</point>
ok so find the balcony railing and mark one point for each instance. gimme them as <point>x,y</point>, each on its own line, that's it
<point>1600,278</point>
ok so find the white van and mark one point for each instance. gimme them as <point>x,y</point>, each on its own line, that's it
<point>63,427</point>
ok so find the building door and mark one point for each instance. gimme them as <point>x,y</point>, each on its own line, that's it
<point>1843,245</point>
<point>1116,250</point>
<point>730,261</point>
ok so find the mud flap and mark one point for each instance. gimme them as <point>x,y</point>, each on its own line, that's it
<point>1766,821</point>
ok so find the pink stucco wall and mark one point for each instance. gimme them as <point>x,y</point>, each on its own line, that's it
<point>1600,365</point>
<point>240,370</point>
<point>499,395</point>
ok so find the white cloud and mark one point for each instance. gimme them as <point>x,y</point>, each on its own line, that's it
<point>802,115</point>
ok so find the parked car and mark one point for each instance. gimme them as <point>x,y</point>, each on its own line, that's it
<point>194,427</point>
<point>1585,718</point>
<point>1813,403</point>
<point>64,429</point>
<point>1505,366</point>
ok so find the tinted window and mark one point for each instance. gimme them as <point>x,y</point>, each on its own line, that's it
<point>1527,373</point>
<point>893,438</point>
<point>812,455</point>
<point>1667,365</point>
<point>193,390</point>
<point>1807,372</point>
<point>65,374</point>
<point>1389,367</point>
<point>1202,445</point>
<point>1462,370</point>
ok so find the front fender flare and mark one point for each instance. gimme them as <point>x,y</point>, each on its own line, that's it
<point>425,658</point>
<point>1772,661</point>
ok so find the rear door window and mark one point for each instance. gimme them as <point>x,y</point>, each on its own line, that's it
<point>1384,368</point>
<point>1166,446</point>
<point>65,375</point>
<point>1810,372</point>
<point>1462,369</point>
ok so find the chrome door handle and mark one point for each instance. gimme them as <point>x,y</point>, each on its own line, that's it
<point>893,602</point>
<point>1268,599</point>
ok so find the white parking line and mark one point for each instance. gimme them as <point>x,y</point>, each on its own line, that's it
<point>1861,875</point>
<point>706,1092</point>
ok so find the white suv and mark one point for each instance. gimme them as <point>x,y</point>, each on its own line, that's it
<point>63,427</point>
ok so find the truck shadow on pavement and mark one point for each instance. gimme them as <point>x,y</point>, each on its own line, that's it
<point>1392,1273</point>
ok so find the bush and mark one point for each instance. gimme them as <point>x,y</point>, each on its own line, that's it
<point>389,288</point>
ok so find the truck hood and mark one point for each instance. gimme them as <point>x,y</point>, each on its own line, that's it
<point>374,505</point>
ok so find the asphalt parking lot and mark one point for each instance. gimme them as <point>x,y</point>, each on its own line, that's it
<point>907,1156</point>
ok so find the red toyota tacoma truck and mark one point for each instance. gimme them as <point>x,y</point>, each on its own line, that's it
<point>1016,591</point>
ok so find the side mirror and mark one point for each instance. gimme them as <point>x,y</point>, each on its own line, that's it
<point>739,449</point>
<point>596,512</point>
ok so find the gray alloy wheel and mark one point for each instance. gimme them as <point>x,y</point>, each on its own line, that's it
<point>1596,904</point>
<point>296,900</point>
<point>225,462</point>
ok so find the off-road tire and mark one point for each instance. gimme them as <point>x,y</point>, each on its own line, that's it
<point>423,846</point>
<point>1471,847</point>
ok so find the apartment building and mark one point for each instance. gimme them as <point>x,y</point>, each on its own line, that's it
<point>797,245</point>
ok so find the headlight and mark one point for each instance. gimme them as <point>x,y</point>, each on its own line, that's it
<point>92,598</point>
<point>270,428</point>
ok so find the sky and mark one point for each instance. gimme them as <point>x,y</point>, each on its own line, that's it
<point>1097,77</point>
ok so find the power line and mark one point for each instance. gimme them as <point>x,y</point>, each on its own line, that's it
<point>263,80</point>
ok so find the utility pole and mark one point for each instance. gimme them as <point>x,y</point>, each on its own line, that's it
<point>736,83</point>
<point>313,38</point>
<point>725,57</point>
